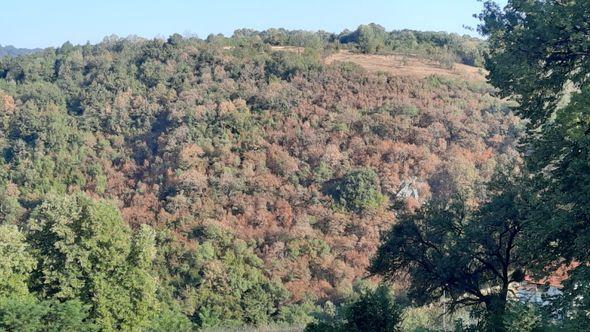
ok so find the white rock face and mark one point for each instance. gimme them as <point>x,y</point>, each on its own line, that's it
<point>408,189</point>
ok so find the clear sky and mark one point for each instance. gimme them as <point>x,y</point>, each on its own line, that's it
<point>42,23</point>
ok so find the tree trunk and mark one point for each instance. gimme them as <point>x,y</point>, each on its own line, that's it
<point>496,308</point>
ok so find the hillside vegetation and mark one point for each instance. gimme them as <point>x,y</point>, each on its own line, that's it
<point>229,185</point>
<point>12,51</point>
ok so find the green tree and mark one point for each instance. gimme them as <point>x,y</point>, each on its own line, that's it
<point>370,310</point>
<point>16,262</point>
<point>470,254</point>
<point>169,320</point>
<point>357,191</point>
<point>233,289</point>
<point>21,310</point>
<point>221,281</point>
<point>22,313</point>
<point>26,313</point>
<point>10,209</point>
<point>371,38</point>
<point>86,252</point>
<point>540,57</point>
<point>374,311</point>
<point>522,317</point>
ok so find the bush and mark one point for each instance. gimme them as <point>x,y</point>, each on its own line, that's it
<point>373,310</point>
<point>171,320</point>
<point>420,319</point>
<point>522,317</point>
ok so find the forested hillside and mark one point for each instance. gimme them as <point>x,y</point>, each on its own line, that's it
<point>226,181</point>
<point>12,51</point>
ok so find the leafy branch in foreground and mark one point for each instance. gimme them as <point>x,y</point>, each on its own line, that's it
<point>540,57</point>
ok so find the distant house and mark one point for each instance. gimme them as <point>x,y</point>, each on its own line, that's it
<point>530,291</point>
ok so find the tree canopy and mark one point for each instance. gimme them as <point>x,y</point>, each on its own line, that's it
<point>540,57</point>
<point>470,255</point>
<point>85,251</point>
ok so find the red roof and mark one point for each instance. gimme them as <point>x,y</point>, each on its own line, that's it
<point>556,278</point>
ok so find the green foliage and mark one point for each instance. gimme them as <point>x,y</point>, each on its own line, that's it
<point>314,248</point>
<point>374,311</point>
<point>443,47</point>
<point>357,191</point>
<point>21,314</point>
<point>371,310</point>
<point>288,64</point>
<point>421,319</point>
<point>10,208</point>
<point>297,314</point>
<point>573,302</point>
<point>9,50</point>
<point>411,111</point>
<point>539,58</point>
<point>26,313</point>
<point>371,38</point>
<point>522,317</point>
<point>85,251</point>
<point>225,284</point>
<point>169,320</point>
<point>16,262</point>
<point>70,315</point>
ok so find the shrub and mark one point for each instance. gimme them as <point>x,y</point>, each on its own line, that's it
<point>521,317</point>
<point>170,320</point>
<point>372,310</point>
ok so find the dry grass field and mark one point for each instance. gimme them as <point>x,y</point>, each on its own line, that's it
<point>406,65</point>
<point>257,329</point>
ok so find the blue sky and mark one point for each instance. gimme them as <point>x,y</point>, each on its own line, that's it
<point>42,23</point>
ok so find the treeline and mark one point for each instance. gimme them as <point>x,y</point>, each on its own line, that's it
<point>444,47</point>
<point>12,51</point>
<point>176,184</point>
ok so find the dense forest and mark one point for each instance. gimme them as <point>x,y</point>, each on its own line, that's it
<point>187,183</point>
<point>263,177</point>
